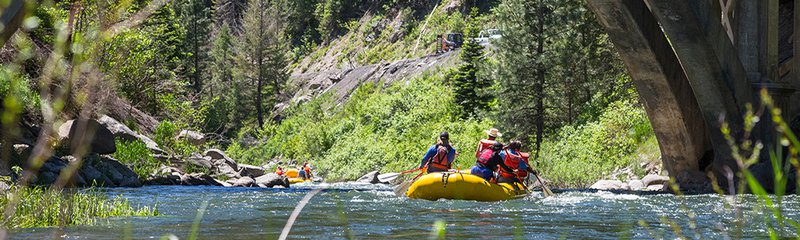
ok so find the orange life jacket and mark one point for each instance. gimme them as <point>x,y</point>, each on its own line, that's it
<point>524,156</point>
<point>308,171</point>
<point>439,161</point>
<point>512,161</point>
<point>483,145</point>
<point>279,171</point>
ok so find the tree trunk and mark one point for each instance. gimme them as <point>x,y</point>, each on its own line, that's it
<point>260,79</point>
<point>539,85</point>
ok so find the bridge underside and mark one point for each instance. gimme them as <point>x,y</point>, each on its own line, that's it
<point>684,58</point>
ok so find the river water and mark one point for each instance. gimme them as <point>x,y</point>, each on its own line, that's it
<point>373,212</point>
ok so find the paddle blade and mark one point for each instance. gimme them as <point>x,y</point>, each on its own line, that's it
<point>388,177</point>
<point>545,189</point>
<point>401,189</point>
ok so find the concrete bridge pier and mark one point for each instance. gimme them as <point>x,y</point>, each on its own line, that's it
<point>684,58</point>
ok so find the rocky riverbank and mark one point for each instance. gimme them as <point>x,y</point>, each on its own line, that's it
<point>86,148</point>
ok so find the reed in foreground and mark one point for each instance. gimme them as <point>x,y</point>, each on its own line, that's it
<point>26,207</point>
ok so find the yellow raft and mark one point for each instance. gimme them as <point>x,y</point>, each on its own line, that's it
<point>462,186</point>
<point>291,173</point>
<point>298,180</point>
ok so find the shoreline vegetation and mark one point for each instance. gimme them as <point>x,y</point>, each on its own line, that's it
<point>33,207</point>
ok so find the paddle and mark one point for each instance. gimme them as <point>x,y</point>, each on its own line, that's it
<point>545,190</point>
<point>388,177</point>
<point>402,188</point>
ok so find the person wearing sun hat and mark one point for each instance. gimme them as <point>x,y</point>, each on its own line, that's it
<point>487,143</point>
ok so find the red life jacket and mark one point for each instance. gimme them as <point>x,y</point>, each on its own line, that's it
<point>439,161</point>
<point>483,145</point>
<point>512,161</point>
<point>485,156</point>
<point>524,174</point>
<point>279,172</point>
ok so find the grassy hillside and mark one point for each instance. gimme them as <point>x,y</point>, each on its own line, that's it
<point>377,128</point>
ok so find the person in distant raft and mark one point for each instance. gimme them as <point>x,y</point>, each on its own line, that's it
<point>513,159</point>
<point>440,156</point>
<point>488,162</point>
<point>305,171</point>
<point>279,171</point>
<point>487,143</point>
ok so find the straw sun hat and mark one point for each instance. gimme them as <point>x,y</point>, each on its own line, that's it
<point>493,132</point>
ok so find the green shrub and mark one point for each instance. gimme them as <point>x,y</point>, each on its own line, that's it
<point>165,135</point>
<point>580,155</point>
<point>136,155</point>
<point>377,128</point>
<point>41,207</point>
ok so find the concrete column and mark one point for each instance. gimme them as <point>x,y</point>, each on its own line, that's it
<point>747,37</point>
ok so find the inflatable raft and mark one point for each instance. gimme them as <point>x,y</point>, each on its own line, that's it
<point>298,180</point>
<point>462,186</point>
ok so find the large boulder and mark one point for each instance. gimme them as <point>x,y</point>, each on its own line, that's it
<point>49,171</point>
<point>123,132</point>
<point>223,165</point>
<point>636,185</point>
<point>120,174</point>
<point>607,185</point>
<point>653,179</point>
<point>243,182</point>
<point>271,180</point>
<point>87,133</point>
<point>371,177</point>
<point>198,179</point>
<point>193,137</point>
<point>250,170</point>
<point>200,161</point>
<point>215,154</point>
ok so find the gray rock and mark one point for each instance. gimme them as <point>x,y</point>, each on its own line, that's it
<point>193,137</point>
<point>244,182</point>
<point>655,187</point>
<point>87,133</point>
<point>224,167</point>
<point>653,179</point>
<point>636,185</point>
<point>215,154</point>
<point>272,179</point>
<point>123,132</point>
<point>371,177</point>
<point>200,161</point>
<point>46,178</point>
<point>4,186</point>
<point>607,185</point>
<point>21,154</point>
<point>250,170</point>
<point>224,184</point>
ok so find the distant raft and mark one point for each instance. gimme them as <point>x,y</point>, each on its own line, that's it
<point>462,186</point>
<point>298,180</point>
<point>291,173</point>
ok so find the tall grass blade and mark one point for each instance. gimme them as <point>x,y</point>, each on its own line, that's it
<point>197,219</point>
<point>296,213</point>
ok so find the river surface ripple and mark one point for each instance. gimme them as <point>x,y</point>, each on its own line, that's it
<point>373,212</point>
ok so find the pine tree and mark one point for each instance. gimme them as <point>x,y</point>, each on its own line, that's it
<point>263,52</point>
<point>553,60</point>
<point>231,12</point>
<point>196,15</point>
<point>470,88</point>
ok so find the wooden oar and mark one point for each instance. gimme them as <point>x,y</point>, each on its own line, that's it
<point>388,177</point>
<point>402,188</point>
<point>545,190</point>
